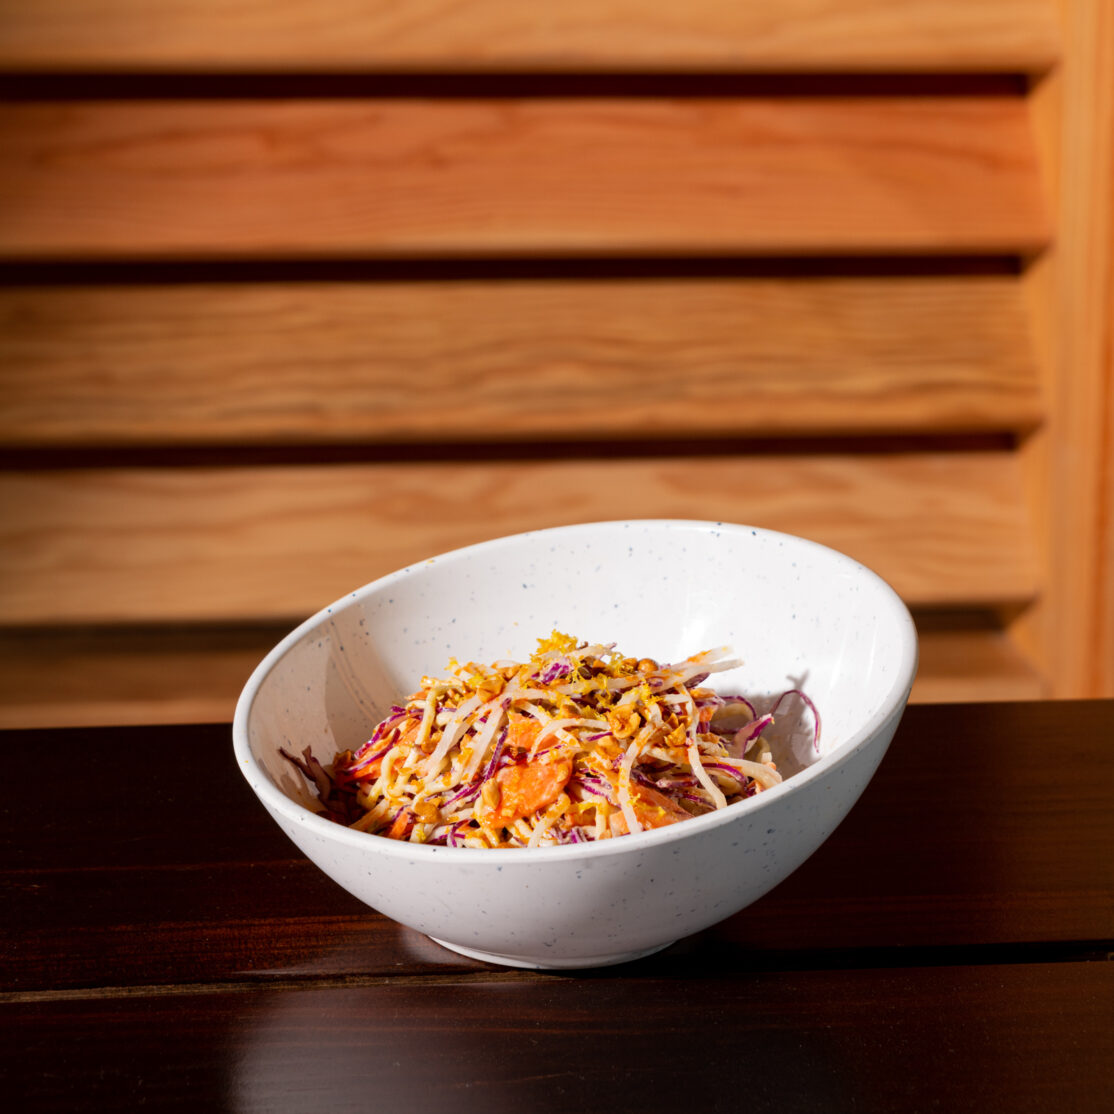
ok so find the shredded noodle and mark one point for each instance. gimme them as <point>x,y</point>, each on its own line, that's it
<point>577,744</point>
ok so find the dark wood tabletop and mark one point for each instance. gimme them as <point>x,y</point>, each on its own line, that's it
<point>947,949</point>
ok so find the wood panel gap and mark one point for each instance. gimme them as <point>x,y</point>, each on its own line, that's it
<point>934,620</point>
<point>62,272</point>
<point>55,86</point>
<point>187,456</point>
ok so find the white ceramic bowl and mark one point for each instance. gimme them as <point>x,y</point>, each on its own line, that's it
<point>799,614</point>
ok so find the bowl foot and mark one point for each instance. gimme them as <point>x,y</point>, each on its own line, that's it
<point>545,964</point>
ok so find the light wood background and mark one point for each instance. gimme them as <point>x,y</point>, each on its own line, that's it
<point>294,294</point>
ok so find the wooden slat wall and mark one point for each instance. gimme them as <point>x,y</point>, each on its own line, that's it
<point>610,36</point>
<point>550,176</point>
<point>1070,459</point>
<point>188,544</point>
<point>519,359</point>
<point>271,325</point>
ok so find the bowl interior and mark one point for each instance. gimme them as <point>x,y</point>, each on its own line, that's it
<point>801,616</point>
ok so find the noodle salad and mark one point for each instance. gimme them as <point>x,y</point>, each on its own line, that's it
<point>577,744</point>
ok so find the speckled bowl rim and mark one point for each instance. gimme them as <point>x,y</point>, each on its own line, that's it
<point>892,704</point>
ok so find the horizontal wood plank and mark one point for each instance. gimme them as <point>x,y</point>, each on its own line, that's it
<point>395,178</point>
<point>169,947</point>
<point>962,664</point>
<point>255,543</point>
<point>951,1038</point>
<point>513,360</point>
<point>992,862</point>
<point>491,35</point>
<point>75,676</point>
<point>65,677</point>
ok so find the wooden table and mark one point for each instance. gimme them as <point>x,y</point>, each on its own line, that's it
<point>948,949</point>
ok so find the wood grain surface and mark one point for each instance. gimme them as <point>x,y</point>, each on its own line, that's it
<point>482,361</point>
<point>345,178</point>
<point>987,859</point>
<point>480,35</point>
<point>82,676</point>
<point>955,1039</point>
<point>214,351</point>
<point>1070,466</point>
<point>254,543</point>
<point>947,949</point>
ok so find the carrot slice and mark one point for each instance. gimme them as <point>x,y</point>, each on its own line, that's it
<point>402,825</point>
<point>525,789</point>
